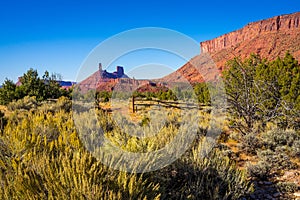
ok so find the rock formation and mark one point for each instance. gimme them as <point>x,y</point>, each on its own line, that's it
<point>269,38</point>
<point>283,23</point>
<point>114,75</point>
<point>103,80</point>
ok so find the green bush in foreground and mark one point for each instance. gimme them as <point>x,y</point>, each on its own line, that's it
<point>274,156</point>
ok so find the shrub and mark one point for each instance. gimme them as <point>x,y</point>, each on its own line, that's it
<point>270,163</point>
<point>27,103</point>
<point>287,187</point>
<point>198,177</point>
<point>279,160</point>
<point>64,103</point>
<point>276,138</point>
<point>295,150</point>
<point>261,170</point>
<point>250,143</point>
<point>145,121</point>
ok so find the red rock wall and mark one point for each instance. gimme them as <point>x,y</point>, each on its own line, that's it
<point>252,30</point>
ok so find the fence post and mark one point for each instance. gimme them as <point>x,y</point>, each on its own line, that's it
<point>133,110</point>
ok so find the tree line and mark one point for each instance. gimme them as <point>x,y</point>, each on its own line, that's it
<point>31,85</point>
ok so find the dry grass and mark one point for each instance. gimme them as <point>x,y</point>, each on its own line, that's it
<point>233,145</point>
<point>243,158</point>
<point>4,110</point>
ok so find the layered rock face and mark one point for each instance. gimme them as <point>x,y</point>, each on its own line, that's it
<point>270,38</point>
<point>276,24</point>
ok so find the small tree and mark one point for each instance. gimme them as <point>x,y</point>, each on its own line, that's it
<point>52,88</point>
<point>32,85</point>
<point>282,81</point>
<point>7,92</point>
<point>202,92</point>
<point>259,91</point>
<point>239,81</point>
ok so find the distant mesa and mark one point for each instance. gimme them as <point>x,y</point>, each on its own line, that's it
<point>66,84</point>
<point>63,84</point>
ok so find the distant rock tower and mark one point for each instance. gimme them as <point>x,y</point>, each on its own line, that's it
<point>100,67</point>
<point>120,71</point>
<point>100,70</point>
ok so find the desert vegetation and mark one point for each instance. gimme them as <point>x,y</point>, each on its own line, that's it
<point>263,105</point>
<point>49,145</point>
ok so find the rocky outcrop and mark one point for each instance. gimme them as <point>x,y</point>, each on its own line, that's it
<point>119,73</point>
<point>102,78</point>
<point>283,23</point>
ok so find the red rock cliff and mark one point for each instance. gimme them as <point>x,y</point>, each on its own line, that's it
<point>252,30</point>
<point>269,38</point>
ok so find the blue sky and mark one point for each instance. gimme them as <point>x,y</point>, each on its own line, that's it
<point>58,35</point>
